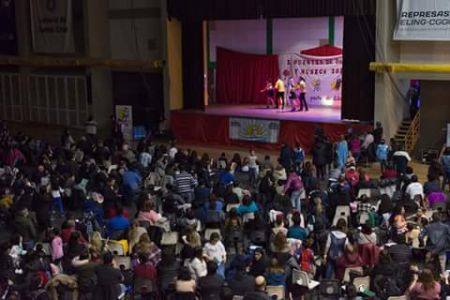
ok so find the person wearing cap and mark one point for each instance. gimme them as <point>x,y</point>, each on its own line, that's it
<point>260,290</point>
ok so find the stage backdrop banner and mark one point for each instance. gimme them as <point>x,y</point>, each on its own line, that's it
<point>52,26</point>
<point>419,20</point>
<point>321,69</point>
<point>254,130</point>
<point>124,116</point>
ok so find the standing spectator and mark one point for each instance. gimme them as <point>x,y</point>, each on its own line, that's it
<point>286,156</point>
<point>445,161</point>
<point>299,158</point>
<point>355,146</point>
<point>336,242</point>
<point>91,128</point>
<point>342,152</point>
<point>253,168</point>
<point>320,157</point>
<point>437,243</point>
<point>382,154</point>
<point>294,186</point>
<point>378,133</point>
<point>401,159</point>
<point>186,184</point>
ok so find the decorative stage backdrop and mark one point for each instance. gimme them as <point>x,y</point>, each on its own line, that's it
<point>321,68</point>
<point>307,47</point>
<point>254,130</point>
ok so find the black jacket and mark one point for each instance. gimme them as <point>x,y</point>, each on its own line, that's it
<point>211,287</point>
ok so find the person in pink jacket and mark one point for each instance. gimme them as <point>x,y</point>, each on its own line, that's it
<point>294,186</point>
<point>56,245</point>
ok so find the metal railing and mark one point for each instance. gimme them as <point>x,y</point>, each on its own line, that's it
<point>412,135</point>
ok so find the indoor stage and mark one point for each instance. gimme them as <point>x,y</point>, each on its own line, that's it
<point>212,127</point>
<point>315,114</point>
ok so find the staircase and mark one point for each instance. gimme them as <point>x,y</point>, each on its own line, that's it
<point>408,133</point>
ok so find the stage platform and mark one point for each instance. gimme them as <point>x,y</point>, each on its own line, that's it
<point>211,126</point>
<point>314,114</point>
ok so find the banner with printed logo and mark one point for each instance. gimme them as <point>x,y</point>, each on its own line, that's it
<point>423,20</point>
<point>254,130</point>
<point>52,26</point>
<point>321,69</point>
<point>124,117</point>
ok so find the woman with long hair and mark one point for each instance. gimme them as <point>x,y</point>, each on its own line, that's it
<point>424,286</point>
<point>336,242</point>
<point>135,233</point>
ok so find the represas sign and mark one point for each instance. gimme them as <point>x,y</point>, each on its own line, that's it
<point>423,20</point>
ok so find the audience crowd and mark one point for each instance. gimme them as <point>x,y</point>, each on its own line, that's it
<point>98,219</point>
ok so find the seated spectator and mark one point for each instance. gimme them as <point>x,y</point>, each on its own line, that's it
<point>260,290</point>
<point>215,251</point>
<point>247,206</point>
<point>259,263</point>
<point>275,273</point>
<point>296,231</point>
<point>118,224</point>
<point>415,188</point>
<point>210,286</point>
<point>197,264</point>
<point>424,286</point>
<point>109,279</point>
<point>185,283</point>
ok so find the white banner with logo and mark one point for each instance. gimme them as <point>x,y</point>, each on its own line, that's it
<point>254,130</point>
<point>52,26</point>
<point>322,74</point>
<point>423,20</point>
<point>448,135</point>
<point>124,117</point>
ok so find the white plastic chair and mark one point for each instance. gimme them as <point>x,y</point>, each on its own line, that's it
<point>363,217</point>
<point>116,248</point>
<point>398,298</point>
<point>209,231</point>
<point>123,261</point>
<point>366,192</point>
<point>169,238</point>
<point>247,217</point>
<point>277,291</point>
<point>347,273</point>
<point>363,282</point>
<point>231,206</point>
<point>302,278</point>
<point>342,212</point>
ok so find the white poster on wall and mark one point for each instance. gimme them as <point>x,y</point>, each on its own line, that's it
<point>448,135</point>
<point>423,20</point>
<point>322,73</point>
<point>52,26</point>
<point>124,117</point>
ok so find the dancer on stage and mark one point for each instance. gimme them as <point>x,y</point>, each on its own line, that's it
<point>302,88</point>
<point>269,90</point>
<point>279,86</point>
